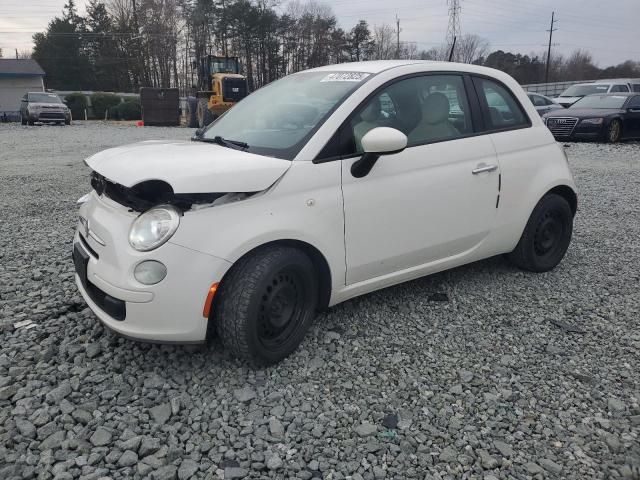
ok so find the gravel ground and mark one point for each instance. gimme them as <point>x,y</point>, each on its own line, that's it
<point>482,372</point>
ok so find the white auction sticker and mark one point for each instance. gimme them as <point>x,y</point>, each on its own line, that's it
<point>345,77</point>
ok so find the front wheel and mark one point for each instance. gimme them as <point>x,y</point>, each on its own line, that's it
<point>266,304</point>
<point>614,131</point>
<point>546,237</point>
<point>205,117</point>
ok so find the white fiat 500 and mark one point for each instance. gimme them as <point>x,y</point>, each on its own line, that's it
<point>324,185</point>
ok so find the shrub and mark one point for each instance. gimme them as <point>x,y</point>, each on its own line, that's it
<point>101,102</point>
<point>128,110</point>
<point>77,102</point>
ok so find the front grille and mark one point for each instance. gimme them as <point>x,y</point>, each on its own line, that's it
<point>51,115</point>
<point>561,126</point>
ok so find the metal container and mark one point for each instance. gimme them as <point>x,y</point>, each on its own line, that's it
<point>160,106</point>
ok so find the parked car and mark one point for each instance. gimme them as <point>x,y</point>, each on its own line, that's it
<point>574,93</point>
<point>543,104</point>
<point>43,107</point>
<point>610,117</point>
<point>362,177</point>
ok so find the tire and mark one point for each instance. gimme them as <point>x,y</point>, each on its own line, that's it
<point>614,132</point>
<point>192,112</point>
<point>205,117</point>
<point>31,122</point>
<point>266,304</point>
<point>23,120</point>
<point>546,237</point>
<point>67,122</point>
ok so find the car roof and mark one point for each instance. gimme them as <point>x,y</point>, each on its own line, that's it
<point>377,66</point>
<point>615,94</point>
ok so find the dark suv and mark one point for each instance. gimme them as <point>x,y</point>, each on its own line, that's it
<point>43,107</point>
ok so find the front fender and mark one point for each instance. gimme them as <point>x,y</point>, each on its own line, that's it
<point>305,205</point>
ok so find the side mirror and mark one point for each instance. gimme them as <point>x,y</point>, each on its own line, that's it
<point>376,142</point>
<point>384,141</point>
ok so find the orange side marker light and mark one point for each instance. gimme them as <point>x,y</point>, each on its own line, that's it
<point>209,301</point>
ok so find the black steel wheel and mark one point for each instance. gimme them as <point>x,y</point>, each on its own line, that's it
<point>266,304</point>
<point>614,132</point>
<point>546,237</point>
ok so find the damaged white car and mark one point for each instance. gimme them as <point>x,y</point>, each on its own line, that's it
<point>319,187</point>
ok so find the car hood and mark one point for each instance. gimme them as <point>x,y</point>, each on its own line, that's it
<point>189,167</point>
<point>39,104</point>
<point>583,112</point>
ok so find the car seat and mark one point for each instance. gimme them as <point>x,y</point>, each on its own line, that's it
<point>435,124</point>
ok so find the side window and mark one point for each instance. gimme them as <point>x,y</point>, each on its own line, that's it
<point>429,108</point>
<point>501,109</point>
<point>539,101</point>
<point>634,102</point>
<point>624,88</point>
<point>636,87</point>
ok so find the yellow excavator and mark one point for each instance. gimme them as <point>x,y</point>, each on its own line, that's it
<point>220,86</point>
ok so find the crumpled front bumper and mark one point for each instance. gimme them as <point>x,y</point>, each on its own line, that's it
<point>169,311</point>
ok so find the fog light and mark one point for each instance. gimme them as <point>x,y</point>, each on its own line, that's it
<point>150,272</point>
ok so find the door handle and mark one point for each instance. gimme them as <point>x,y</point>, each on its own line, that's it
<point>483,167</point>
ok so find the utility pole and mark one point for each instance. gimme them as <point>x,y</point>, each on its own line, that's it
<point>398,37</point>
<point>551,30</point>
<point>453,29</point>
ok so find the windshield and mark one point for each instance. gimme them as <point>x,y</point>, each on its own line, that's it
<point>44,98</point>
<point>223,65</point>
<point>600,101</point>
<point>582,90</point>
<point>278,119</point>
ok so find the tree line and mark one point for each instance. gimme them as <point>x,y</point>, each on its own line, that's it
<point>122,45</point>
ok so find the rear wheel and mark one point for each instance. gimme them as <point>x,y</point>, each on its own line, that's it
<point>546,237</point>
<point>266,304</point>
<point>23,120</point>
<point>614,131</point>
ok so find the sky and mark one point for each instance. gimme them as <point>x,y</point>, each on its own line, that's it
<point>610,34</point>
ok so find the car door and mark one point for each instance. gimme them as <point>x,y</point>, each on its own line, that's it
<point>435,199</point>
<point>632,118</point>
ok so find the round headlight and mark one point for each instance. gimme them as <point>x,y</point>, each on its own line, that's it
<point>150,272</point>
<point>153,228</point>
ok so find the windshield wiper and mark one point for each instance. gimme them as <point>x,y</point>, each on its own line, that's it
<point>235,144</point>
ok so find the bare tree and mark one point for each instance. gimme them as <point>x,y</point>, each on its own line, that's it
<point>470,48</point>
<point>384,42</point>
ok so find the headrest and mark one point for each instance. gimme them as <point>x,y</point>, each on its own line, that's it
<point>436,108</point>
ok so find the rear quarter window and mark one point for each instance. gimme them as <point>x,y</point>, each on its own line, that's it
<point>501,110</point>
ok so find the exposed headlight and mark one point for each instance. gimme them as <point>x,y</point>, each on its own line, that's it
<point>150,272</point>
<point>153,228</point>
<point>592,121</point>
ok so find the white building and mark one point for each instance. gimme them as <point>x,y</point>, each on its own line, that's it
<point>17,77</point>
